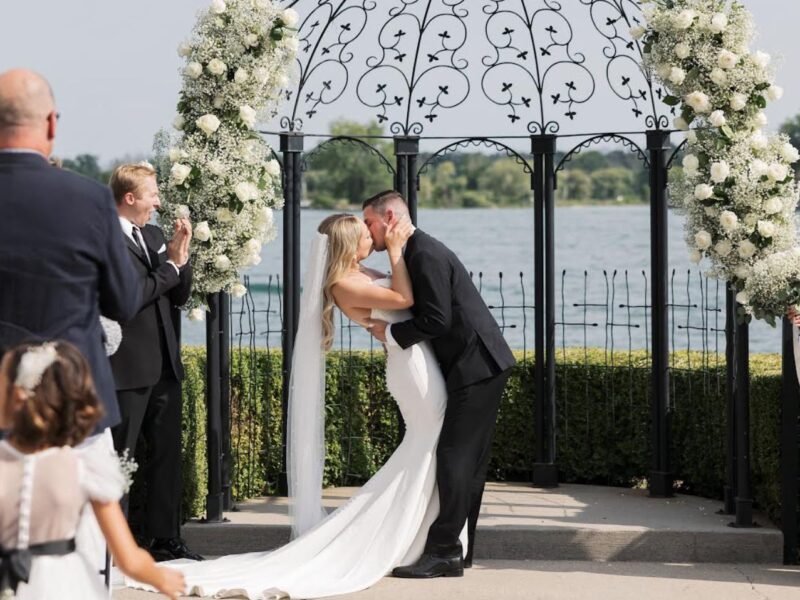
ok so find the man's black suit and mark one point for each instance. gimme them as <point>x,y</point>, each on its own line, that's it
<point>63,262</point>
<point>148,371</point>
<point>475,360</point>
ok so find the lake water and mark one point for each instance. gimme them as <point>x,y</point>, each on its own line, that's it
<point>603,271</point>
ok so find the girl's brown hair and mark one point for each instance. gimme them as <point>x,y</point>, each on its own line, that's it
<point>62,410</point>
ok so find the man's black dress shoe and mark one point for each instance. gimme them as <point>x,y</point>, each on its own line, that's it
<point>468,562</point>
<point>170,549</point>
<point>429,566</point>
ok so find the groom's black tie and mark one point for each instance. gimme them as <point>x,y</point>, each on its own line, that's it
<point>137,237</point>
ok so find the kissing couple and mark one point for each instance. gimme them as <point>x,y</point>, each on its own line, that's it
<point>446,367</point>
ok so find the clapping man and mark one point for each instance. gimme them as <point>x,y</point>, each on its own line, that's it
<point>147,366</point>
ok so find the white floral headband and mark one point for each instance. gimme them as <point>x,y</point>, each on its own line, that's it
<point>33,364</point>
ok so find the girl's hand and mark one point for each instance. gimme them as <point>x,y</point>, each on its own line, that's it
<point>171,583</point>
<point>397,235</point>
<point>793,315</point>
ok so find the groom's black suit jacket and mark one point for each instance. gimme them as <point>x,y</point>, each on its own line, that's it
<point>62,262</point>
<point>151,339</point>
<point>449,311</point>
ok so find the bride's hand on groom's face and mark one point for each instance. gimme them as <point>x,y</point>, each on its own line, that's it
<point>397,234</point>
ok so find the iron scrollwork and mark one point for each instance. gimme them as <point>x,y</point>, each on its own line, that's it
<point>418,68</point>
<point>535,45</point>
<point>627,77</point>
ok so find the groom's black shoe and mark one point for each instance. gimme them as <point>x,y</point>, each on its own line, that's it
<point>467,562</point>
<point>429,566</point>
<point>170,549</point>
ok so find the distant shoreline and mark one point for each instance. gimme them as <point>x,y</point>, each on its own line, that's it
<point>559,204</point>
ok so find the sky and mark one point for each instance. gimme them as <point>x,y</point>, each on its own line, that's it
<point>116,74</point>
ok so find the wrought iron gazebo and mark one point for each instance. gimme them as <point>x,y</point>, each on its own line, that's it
<point>530,71</point>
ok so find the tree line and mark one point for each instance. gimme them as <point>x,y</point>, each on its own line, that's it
<point>341,175</point>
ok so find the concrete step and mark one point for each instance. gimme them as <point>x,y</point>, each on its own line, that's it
<point>518,522</point>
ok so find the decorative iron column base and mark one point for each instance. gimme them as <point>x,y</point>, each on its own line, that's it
<point>661,484</point>
<point>545,475</point>
<point>744,513</point>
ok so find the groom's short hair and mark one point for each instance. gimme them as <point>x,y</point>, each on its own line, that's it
<point>379,201</point>
<point>127,179</point>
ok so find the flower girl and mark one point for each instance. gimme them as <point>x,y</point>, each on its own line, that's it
<point>47,405</point>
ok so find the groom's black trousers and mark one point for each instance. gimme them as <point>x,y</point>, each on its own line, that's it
<point>462,458</point>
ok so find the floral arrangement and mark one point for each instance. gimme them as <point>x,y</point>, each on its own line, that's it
<point>773,285</point>
<point>220,171</point>
<point>738,188</point>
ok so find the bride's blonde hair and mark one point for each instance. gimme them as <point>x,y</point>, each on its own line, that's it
<point>344,232</point>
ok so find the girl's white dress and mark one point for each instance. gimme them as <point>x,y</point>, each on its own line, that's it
<point>41,498</point>
<point>384,525</point>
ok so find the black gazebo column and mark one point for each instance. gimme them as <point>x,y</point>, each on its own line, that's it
<point>729,492</point>
<point>225,397</point>
<point>789,450</point>
<point>743,501</point>
<point>660,473</point>
<point>291,146</point>
<point>406,151</point>
<point>214,498</point>
<point>545,471</point>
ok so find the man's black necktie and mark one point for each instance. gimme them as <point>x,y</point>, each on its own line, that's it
<point>137,237</point>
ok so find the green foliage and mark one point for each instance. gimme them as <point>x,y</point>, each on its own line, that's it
<point>88,166</point>
<point>603,416</point>
<point>574,185</point>
<point>611,183</point>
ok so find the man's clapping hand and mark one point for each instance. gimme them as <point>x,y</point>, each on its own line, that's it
<point>178,247</point>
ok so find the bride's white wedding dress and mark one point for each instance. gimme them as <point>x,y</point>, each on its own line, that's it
<point>384,525</point>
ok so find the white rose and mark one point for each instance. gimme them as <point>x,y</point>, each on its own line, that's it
<point>193,70</point>
<point>718,23</point>
<point>723,248</point>
<point>219,23</point>
<point>184,49</point>
<point>690,164</point>
<point>216,167</point>
<point>718,76</point>
<point>711,212</point>
<point>684,19</point>
<point>290,43</point>
<point>264,217</point>
<point>738,101</point>
<point>218,7</point>
<point>251,260</point>
<point>261,4</point>
<point>760,119</point>
<point>742,298</point>
<point>692,137</point>
<point>766,229</point>
<point>758,168</point>
<point>703,191</point>
<point>682,50</point>
<point>197,314</point>
<point>222,263</point>
<point>290,17</point>
<point>774,92</point>
<point>762,59</point>
<point>677,75</point>
<point>241,76</point>
<point>218,102</point>
<point>261,74</point>
<point>751,220</point>
<point>758,141</point>
<point>717,118</point>
<point>695,256</point>
<point>251,40</point>
<point>728,220</point>
<point>698,101</point>
<point>777,172</point>
<point>175,154</point>
<point>252,246</point>
<point>216,67</point>
<point>245,191</point>
<point>208,124</point>
<point>789,153</point>
<point>680,123</point>
<point>663,71</point>
<point>702,240</point>
<point>727,59</point>
<point>720,171</point>
<point>273,168</point>
<point>179,173</point>
<point>223,215</point>
<point>202,232</point>
<point>648,12</point>
<point>746,249</point>
<point>743,271</point>
<point>182,211</point>
<point>773,206</point>
<point>247,115</point>
<point>238,290</point>
<point>637,32</point>
<point>179,122</point>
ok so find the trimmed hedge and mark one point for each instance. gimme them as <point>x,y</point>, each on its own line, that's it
<point>603,416</point>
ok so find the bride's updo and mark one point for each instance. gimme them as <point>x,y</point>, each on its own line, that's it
<point>344,232</point>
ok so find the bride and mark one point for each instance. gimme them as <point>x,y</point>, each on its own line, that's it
<point>385,524</point>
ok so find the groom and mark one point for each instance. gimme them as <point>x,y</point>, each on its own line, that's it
<point>475,360</point>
